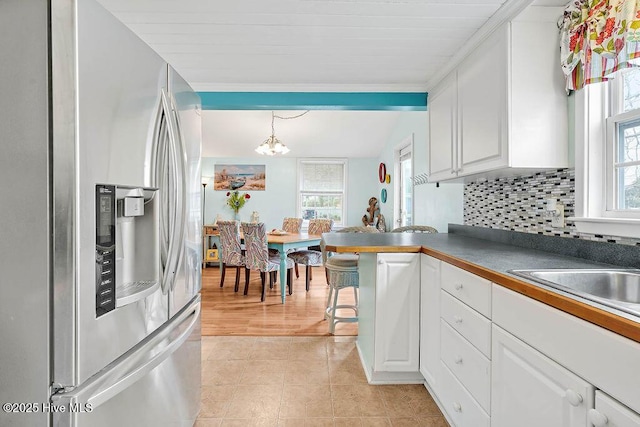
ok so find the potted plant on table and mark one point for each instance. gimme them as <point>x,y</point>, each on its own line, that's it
<point>236,200</point>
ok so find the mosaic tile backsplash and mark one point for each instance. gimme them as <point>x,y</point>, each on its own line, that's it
<point>518,204</point>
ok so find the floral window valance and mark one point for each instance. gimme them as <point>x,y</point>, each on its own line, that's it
<point>597,39</point>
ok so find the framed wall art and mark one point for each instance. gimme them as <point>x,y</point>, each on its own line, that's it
<point>239,177</point>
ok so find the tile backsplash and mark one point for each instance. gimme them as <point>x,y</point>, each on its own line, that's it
<point>517,204</point>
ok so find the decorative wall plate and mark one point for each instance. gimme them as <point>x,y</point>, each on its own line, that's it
<point>383,195</point>
<point>382,172</point>
<point>388,178</point>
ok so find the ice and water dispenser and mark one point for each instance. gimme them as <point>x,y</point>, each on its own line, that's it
<point>127,245</point>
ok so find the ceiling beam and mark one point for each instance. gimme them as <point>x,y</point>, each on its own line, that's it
<point>365,101</point>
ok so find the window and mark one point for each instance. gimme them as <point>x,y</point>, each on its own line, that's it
<point>403,204</point>
<point>607,136</point>
<point>322,190</point>
<point>623,145</point>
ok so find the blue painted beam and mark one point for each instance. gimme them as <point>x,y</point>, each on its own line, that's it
<point>368,101</point>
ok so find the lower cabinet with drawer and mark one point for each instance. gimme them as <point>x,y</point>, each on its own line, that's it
<point>550,368</point>
<point>531,390</point>
<point>465,346</point>
<point>610,413</point>
<point>458,404</point>
<point>507,360</point>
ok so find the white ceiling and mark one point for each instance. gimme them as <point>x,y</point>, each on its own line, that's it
<point>309,45</point>
<point>316,134</point>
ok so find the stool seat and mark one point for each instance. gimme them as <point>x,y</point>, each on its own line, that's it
<point>343,260</point>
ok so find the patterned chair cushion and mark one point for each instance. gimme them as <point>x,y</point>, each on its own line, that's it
<point>306,257</point>
<point>292,225</point>
<point>257,255</point>
<point>319,226</point>
<point>255,242</point>
<point>230,243</point>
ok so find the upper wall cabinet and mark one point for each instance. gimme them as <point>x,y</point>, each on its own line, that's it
<point>503,111</point>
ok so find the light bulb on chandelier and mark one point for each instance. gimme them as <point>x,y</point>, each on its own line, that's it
<point>272,145</point>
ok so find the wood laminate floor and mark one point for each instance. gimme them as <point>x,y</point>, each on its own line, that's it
<point>225,312</point>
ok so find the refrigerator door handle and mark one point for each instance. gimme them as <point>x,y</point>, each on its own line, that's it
<point>177,178</point>
<point>181,163</point>
<point>169,165</point>
<point>134,364</point>
<point>158,167</point>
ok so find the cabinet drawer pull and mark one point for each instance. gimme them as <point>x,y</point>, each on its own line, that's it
<point>458,360</point>
<point>458,286</point>
<point>574,398</point>
<point>457,319</point>
<point>598,419</point>
<point>457,407</point>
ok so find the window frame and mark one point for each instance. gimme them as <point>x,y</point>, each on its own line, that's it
<point>594,137</point>
<point>299,190</point>
<point>406,145</point>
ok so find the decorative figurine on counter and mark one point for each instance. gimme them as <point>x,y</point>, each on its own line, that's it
<point>373,217</point>
<point>255,217</point>
<point>381,226</point>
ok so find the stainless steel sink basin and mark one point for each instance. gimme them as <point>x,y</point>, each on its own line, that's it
<point>617,288</point>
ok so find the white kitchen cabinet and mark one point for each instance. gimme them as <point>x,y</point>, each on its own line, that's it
<point>430,319</point>
<point>472,290</point>
<point>508,360</point>
<point>471,367</point>
<point>397,337</point>
<point>510,110</point>
<point>443,130</point>
<point>610,413</point>
<point>467,322</point>
<point>459,407</point>
<point>603,358</point>
<point>465,337</point>
<point>482,107</point>
<point>529,389</point>
<point>389,317</point>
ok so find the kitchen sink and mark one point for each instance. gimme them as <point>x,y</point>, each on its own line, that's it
<point>617,288</point>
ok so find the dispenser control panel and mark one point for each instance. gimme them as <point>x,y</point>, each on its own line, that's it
<point>105,249</point>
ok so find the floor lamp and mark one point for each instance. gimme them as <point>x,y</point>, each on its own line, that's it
<point>205,181</point>
<point>205,239</point>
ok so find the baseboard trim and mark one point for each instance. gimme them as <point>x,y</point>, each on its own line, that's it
<point>386,378</point>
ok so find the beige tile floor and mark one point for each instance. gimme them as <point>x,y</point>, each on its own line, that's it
<point>301,381</point>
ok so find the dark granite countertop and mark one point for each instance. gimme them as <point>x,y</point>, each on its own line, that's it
<point>497,252</point>
<point>495,256</point>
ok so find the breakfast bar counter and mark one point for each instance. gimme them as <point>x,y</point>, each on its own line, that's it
<point>492,260</point>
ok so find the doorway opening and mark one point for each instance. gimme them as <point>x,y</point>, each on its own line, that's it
<point>403,204</point>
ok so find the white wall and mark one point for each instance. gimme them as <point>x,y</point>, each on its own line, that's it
<point>279,198</point>
<point>433,206</point>
<point>362,184</point>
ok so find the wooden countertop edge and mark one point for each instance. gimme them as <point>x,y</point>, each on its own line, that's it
<point>604,319</point>
<point>379,249</point>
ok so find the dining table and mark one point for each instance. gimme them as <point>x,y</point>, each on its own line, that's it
<point>282,242</point>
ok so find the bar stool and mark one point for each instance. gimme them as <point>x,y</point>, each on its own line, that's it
<point>343,273</point>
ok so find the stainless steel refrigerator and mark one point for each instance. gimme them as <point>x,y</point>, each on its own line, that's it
<point>100,213</point>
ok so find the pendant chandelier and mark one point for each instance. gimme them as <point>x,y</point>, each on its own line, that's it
<point>272,145</point>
